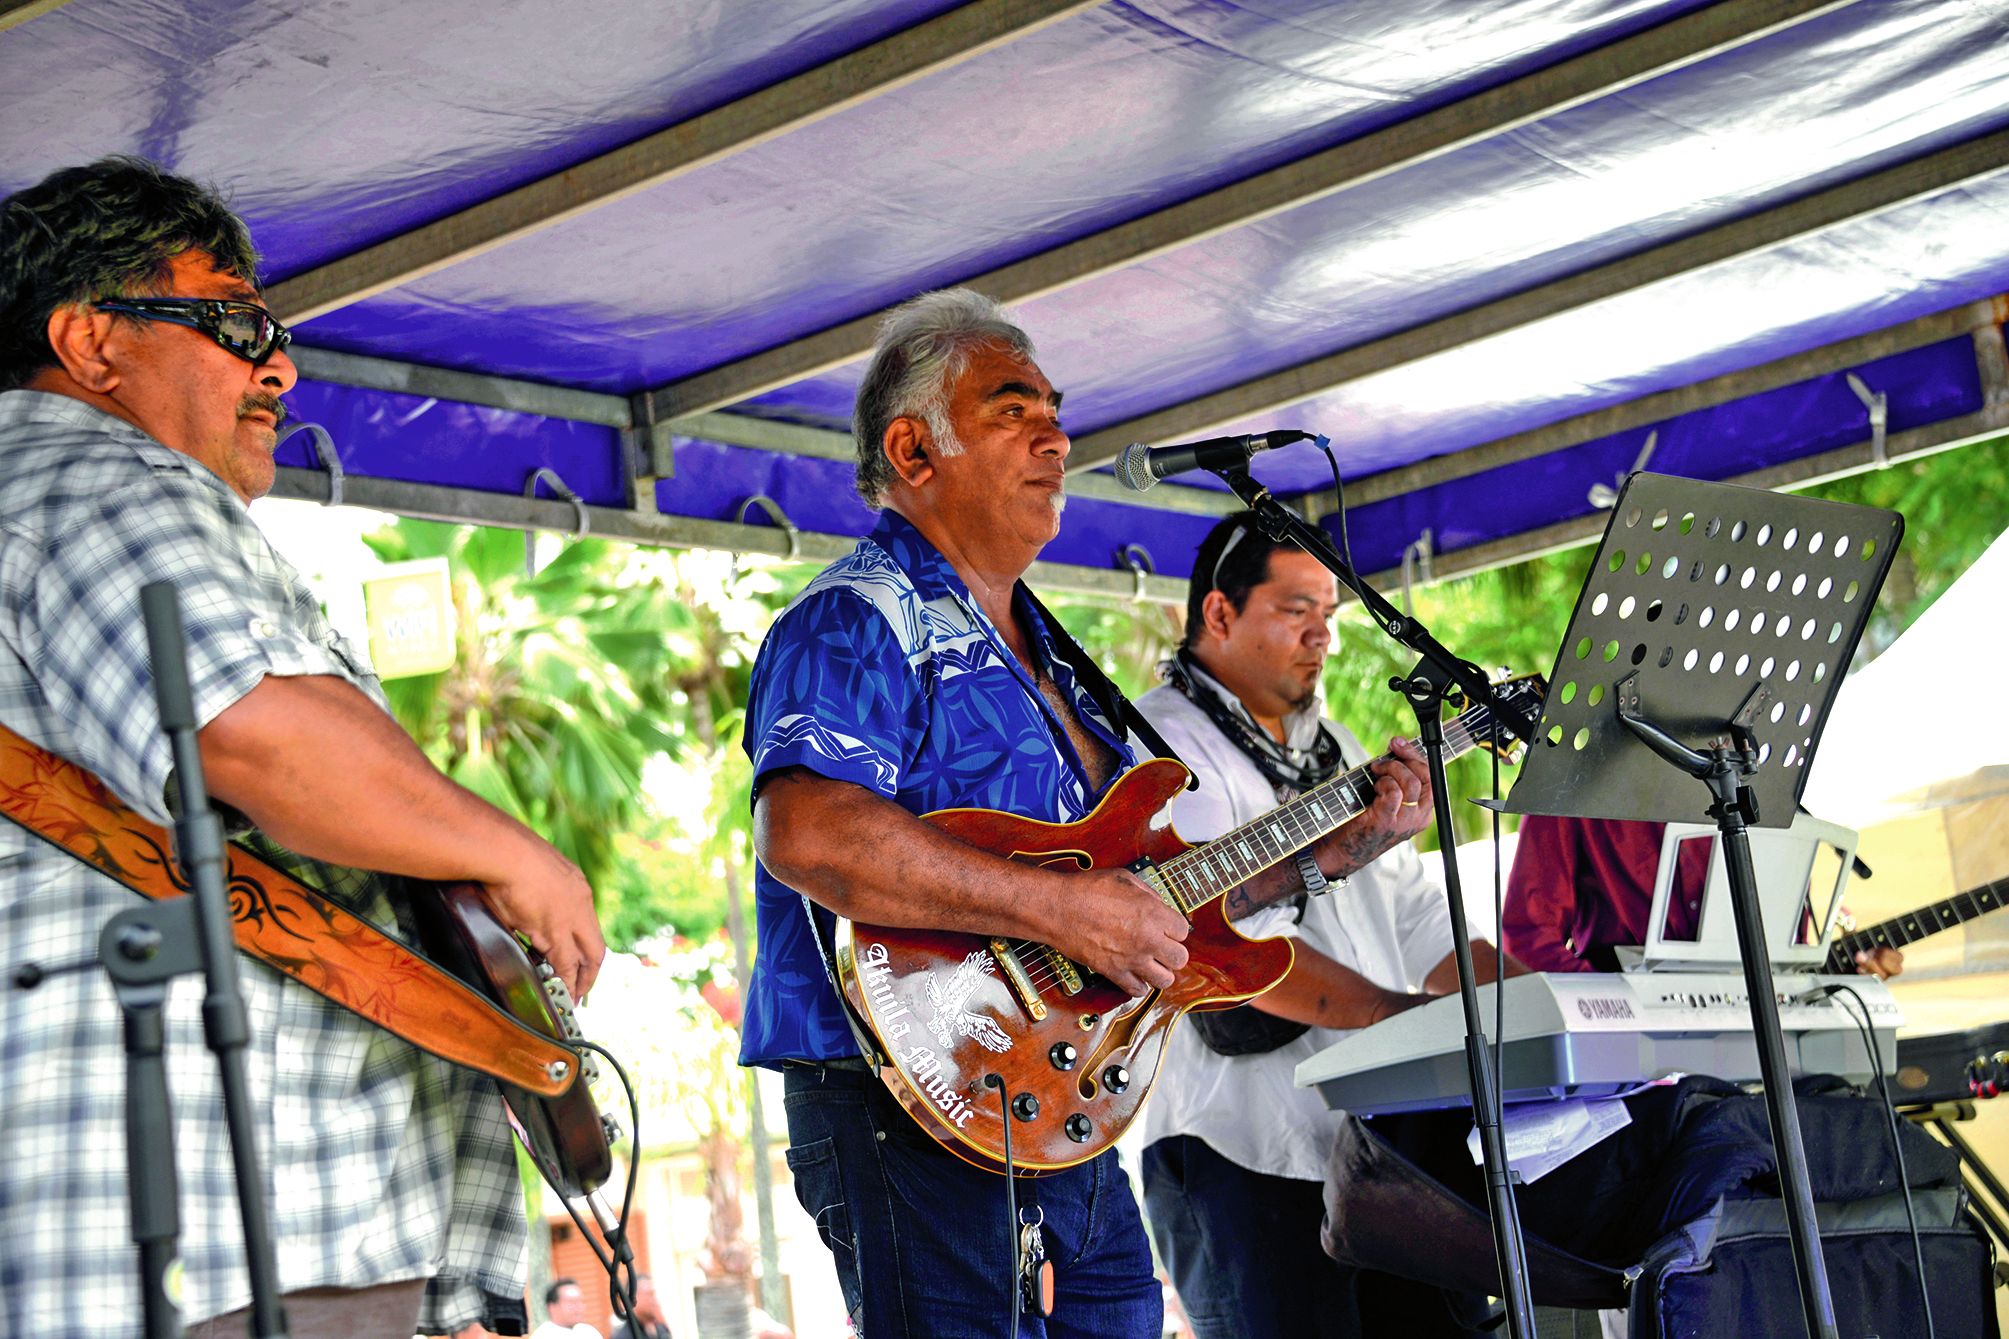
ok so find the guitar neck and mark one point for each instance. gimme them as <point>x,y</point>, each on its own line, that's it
<point>1205,872</point>
<point>1916,925</point>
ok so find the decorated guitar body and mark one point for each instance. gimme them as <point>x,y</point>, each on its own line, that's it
<point>952,1008</point>
<point>1075,1054</point>
<point>564,1135</point>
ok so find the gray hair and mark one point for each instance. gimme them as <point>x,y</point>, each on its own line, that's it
<point>924,345</point>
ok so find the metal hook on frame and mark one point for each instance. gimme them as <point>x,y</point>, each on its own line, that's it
<point>1416,558</point>
<point>1878,405</point>
<point>324,447</point>
<point>774,513</point>
<point>1138,559</point>
<point>1605,496</point>
<point>582,521</point>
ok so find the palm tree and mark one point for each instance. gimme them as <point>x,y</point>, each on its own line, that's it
<point>555,701</point>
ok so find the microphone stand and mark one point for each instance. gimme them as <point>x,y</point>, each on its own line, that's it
<point>1424,689</point>
<point>143,948</point>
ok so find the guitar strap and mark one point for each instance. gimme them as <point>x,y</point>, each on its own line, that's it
<point>826,950</point>
<point>282,923</point>
<point>1117,709</point>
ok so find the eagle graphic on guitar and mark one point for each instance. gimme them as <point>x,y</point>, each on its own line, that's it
<point>1076,1054</point>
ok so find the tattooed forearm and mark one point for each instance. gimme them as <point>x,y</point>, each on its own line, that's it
<point>1272,886</point>
<point>1358,846</point>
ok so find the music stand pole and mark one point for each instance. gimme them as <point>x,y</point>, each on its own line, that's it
<point>198,835</point>
<point>1733,612</point>
<point>142,949</point>
<point>1722,768</point>
<point>1424,690</point>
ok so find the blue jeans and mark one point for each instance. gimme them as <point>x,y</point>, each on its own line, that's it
<point>919,1236</point>
<point>1245,1256</point>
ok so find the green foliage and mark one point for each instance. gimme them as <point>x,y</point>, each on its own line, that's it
<point>554,704</point>
<point>1127,638</point>
<point>1955,503</point>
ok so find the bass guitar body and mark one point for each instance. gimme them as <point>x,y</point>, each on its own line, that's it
<point>566,1136</point>
<point>1076,1056</point>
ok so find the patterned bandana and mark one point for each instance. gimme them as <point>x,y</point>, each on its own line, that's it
<point>1296,770</point>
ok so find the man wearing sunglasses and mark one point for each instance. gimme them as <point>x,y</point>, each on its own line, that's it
<point>140,397</point>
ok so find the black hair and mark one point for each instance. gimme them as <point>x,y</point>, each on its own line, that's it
<point>106,229</point>
<point>557,1285</point>
<point>1246,567</point>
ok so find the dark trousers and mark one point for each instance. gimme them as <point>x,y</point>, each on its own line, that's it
<point>387,1311</point>
<point>920,1236</point>
<point>1244,1253</point>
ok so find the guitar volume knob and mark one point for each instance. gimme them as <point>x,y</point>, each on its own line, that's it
<point>1063,1055</point>
<point>1078,1127</point>
<point>1025,1106</point>
<point>1115,1078</point>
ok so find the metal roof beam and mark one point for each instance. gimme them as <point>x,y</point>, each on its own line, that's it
<point>1969,318</point>
<point>1858,458</point>
<point>14,13</point>
<point>446,383</point>
<point>1595,74</point>
<point>470,506</point>
<point>824,444</point>
<point>925,49</point>
<point>615,411</point>
<point>1907,181</point>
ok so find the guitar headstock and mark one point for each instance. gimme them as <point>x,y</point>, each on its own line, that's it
<point>1524,691</point>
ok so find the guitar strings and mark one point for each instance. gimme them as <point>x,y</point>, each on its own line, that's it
<point>1041,972</point>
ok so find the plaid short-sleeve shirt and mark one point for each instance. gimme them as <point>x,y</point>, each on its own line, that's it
<point>381,1163</point>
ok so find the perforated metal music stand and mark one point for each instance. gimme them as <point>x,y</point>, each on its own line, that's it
<point>1693,683</point>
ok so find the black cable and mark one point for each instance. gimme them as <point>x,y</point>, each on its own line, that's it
<point>620,1256</point>
<point>1011,1201</point>
<point>1338,500</point>
<point>1867,1027</point>
<point>1499,959</point>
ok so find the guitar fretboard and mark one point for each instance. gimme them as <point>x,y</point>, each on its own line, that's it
<point>1916,925</point>
<point>1205,872</point>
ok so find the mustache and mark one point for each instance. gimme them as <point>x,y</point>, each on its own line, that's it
<point>263,402</point>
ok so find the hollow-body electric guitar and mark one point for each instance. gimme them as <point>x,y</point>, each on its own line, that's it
<point>1078,1055</point>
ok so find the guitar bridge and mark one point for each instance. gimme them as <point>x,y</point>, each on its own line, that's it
<point>1021,982</point>
<point>1064,971</point>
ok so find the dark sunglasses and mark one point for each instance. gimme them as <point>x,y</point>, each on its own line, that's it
<point>244,328</point>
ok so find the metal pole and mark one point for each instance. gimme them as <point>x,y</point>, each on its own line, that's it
<point>1509,1246</point>
<point>1795,1189</point>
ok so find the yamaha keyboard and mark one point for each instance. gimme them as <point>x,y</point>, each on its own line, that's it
<point>1593,1034</point>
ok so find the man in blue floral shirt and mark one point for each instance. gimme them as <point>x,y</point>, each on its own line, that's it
<point>910,676</point>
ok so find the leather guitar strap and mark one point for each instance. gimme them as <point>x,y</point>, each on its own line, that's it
<point>283,923</point>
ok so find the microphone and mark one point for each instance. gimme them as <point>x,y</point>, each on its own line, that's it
<point>1141,466</point>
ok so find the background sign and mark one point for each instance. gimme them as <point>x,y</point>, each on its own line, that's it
<point>410,607</point>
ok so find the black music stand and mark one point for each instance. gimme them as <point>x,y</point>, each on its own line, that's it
<point>143,949</point>
<point>1436,671</point>
<point>1726,616</point>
